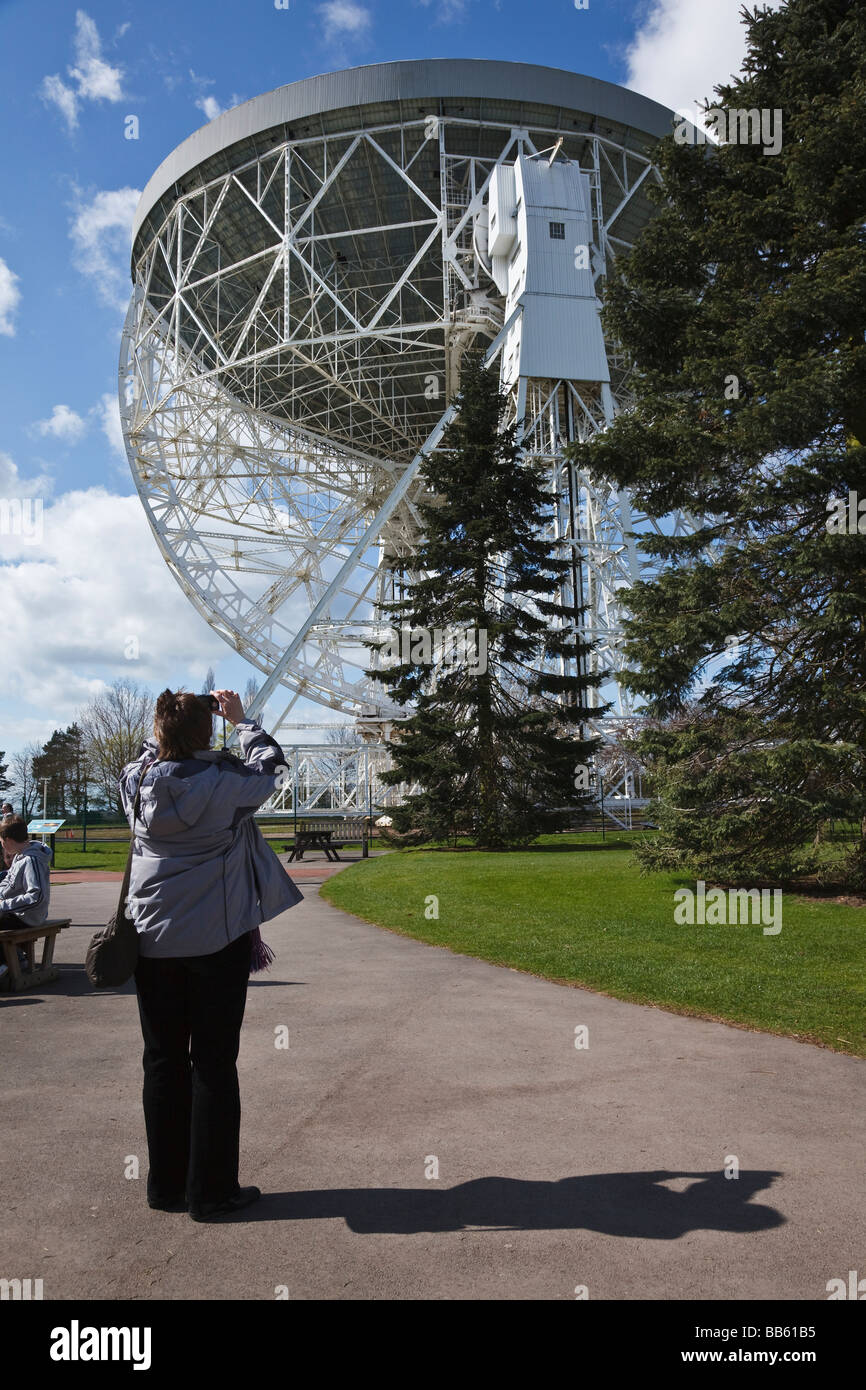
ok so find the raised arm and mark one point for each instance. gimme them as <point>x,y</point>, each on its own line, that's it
<point>265,767</point>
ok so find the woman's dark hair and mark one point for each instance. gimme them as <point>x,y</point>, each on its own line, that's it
<point>182,725</point>
<point>14,828</point>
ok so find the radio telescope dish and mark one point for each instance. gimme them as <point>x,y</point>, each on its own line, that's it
<point>307,271</point>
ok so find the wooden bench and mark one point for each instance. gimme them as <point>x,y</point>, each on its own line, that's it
<point>327,834</point>
<point>13,937</point>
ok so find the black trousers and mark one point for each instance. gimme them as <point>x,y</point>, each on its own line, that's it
<point>191,1009</point>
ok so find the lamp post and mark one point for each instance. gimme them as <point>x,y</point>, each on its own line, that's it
<point>295,793</point>
<point>82,782</point>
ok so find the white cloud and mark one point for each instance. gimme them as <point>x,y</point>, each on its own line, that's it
<point>210,106</point>
<point>101,234</point>
<point>685,48</point>
<point>447,10</point>
<point>97,80</point>
<point>344,19</point>
<point>108,411</point>
<point>90,589</point>
<point>55,90</point>
<point>13,485</point>
<point>10,296</point>
<point>63,423</point>
<point>94,78</point>
<point>67,425</point>
<point>207,103</point>
<point>92,583</point>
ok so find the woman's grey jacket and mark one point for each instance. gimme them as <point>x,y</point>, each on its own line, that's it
<point>201,873</point>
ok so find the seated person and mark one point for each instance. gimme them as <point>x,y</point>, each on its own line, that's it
<point>25,889</point>
<point>7,811</point>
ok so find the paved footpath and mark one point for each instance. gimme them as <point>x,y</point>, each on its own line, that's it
<point>557,1167</point>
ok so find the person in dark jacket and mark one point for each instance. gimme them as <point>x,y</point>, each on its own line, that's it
<point>202,881</point>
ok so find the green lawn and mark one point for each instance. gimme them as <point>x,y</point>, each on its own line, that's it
<point>588,917</point>
<point>98,856</point>
<point>69,854</point>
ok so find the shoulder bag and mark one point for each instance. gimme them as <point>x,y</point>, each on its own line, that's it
<point>113,951</point>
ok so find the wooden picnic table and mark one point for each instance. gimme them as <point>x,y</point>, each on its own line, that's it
<point>13,937</point>
<point>314,839</point>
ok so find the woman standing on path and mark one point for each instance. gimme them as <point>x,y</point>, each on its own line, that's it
<point>202,881</point>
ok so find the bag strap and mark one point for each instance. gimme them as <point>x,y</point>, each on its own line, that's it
<point>124,887</point>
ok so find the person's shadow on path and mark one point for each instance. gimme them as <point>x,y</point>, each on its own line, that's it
<point>616,1204</point>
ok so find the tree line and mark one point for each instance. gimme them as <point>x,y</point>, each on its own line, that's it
<point>82,762</point>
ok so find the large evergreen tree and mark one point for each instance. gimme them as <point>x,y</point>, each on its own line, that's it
<point>743,307</point>
<point>63,762</point>
<point>496,752</point>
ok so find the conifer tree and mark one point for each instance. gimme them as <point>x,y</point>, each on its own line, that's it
<point>497,746</point>
<point>743,308</point>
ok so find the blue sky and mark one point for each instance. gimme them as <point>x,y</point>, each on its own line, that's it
<point>70,182</point>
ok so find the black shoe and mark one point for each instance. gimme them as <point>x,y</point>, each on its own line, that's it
<point>212,1211</point>
<point>180,1204</point>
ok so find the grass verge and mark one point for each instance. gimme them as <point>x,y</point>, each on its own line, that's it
<point>576,912</point>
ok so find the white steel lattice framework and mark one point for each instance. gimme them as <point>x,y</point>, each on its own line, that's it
<point>328,781</point>
<point>303,291</point>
